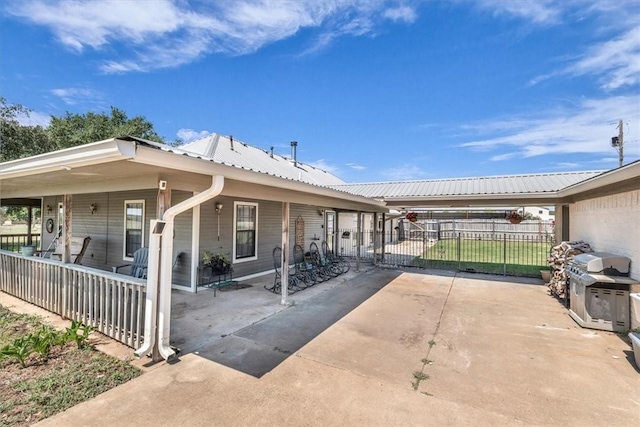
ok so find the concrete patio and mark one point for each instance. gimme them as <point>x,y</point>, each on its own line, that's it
<point>499,351</point>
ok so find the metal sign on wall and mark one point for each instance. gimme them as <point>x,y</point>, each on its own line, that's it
<point>300,231</point>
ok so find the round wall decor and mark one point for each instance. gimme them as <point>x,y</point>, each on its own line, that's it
<point>50,225</point>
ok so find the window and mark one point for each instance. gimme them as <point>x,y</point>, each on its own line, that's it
<point>133,227</point>
<point>245,236</point>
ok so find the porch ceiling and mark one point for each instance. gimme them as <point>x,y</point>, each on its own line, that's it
<point>113,176</point>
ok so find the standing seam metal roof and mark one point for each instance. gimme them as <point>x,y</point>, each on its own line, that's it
<point>222,149</point>
<point>505,184</point>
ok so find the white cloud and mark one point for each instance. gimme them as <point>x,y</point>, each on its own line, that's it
<point>170,33</point>
<point>617,61</point>
<point>539,12</point>
<point>356,166</point>
<point>72,96</point>
<point>34,118</point>
<point>404,173</point>
<point>322,164</point>
<point>188,135</point>
<point>401,13</point>
<point>584,128</point>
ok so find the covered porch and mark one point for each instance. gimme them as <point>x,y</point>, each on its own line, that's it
<point>129,193</point>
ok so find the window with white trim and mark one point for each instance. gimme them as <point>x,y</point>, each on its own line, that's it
<point>133,227</point>
<point>245,231</point>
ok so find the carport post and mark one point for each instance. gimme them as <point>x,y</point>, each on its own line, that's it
<point>384,229</point>
<point>284,267</point>
<point>358,240</point>
<point>374,232</point>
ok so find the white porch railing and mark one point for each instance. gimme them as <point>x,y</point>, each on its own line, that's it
<point>112,303</point>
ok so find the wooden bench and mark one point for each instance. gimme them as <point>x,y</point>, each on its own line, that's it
<point>78,248</point>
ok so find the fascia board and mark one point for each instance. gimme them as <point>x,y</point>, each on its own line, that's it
<point>612,177</point>
<point>109,150</point>
<point>472,197</point>
<point>164,159</point>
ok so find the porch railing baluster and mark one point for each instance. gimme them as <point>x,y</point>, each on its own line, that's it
<point>92,296</point>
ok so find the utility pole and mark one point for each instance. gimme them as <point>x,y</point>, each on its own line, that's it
<point>618,142</point>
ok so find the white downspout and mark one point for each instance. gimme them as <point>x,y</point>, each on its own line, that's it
<point>150,311</point>
<point>166,264</point>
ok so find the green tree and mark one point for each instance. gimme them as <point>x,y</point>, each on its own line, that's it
<point>77,129</point>
<point>18,141</point>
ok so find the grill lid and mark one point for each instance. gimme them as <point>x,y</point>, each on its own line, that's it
<point>602,262</point>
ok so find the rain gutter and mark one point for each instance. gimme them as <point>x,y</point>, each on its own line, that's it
<point>161,261</point>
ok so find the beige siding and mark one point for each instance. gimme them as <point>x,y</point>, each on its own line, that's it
<point>610,224</point>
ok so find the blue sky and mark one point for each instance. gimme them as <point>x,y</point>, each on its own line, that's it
<point>372,90</point>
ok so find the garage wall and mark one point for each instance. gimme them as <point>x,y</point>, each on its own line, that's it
<point>610,224</point>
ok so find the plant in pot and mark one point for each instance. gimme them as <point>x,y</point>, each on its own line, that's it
<point>219,262</point>
<point>515,217</point>
<point>411,216</point>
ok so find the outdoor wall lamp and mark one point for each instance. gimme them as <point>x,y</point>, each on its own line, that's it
<point>93,208</point>
<point>49,209</point>
<point>218,209</point>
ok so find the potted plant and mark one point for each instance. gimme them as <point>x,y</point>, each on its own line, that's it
<point>411,216</point>
<point>219,262</point>
<point>515,218</point>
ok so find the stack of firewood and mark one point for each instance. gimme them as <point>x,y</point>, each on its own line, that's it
<point>557,260</point>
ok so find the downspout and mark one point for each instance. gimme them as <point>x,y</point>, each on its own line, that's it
<point>166,271</point>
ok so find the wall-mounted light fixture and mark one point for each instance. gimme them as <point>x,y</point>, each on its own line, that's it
<point>218,209</point>
<point>49,209</point>
<point>93,208</point>
<point>321,212</point>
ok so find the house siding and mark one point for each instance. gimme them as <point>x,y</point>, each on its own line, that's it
<point>610,224</point>
<point>269,231</point>
<point>106,228</point>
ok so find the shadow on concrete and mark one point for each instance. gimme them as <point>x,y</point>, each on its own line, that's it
<point>260,347</point>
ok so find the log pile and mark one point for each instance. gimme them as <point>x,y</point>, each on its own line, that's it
<point>557,260</point>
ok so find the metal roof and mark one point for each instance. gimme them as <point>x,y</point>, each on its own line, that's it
<point>486,185</point>
<point>232,152</point>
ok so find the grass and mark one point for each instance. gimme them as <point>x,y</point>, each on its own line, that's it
<point>48,385</point>
<point>522,258</point>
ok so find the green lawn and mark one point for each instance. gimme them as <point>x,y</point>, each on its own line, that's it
<point>522,258</point>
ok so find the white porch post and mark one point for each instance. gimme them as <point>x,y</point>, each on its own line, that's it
<point>66,238</point>
<point>195,246</point>
<point>358,240</point>
<point>284,267</point>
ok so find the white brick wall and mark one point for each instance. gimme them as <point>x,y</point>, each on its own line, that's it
<point>610,224</point>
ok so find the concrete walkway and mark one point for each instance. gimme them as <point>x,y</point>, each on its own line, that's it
<point>501,352</point>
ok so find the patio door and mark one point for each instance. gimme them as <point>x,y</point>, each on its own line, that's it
<point>330,229</point>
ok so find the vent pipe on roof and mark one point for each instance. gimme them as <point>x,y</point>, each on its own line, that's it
<point>272,151</point>
<point>231,141</point>
<point>294,144</point>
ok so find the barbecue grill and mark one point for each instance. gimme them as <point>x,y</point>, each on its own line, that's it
<point>599,290</point>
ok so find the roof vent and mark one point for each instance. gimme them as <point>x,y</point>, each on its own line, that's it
<point>231,141</point>
<point>294,144</point>
<point>272,151</point>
